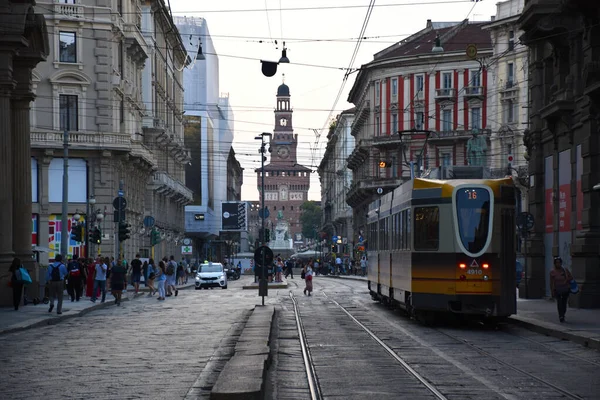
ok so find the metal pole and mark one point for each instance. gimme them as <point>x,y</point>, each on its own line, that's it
<point>262,199</point>
<point>87,227</point>
<point>64,231</point>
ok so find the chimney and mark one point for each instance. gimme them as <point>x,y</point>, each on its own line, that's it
<point>493,18</point>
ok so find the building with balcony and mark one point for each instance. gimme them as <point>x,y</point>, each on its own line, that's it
<point>509,97</point>
<point>417,104</point>
<point>113,82</point>
<point>563,143</point>
<point>209,135</point>
<point>336,178</point>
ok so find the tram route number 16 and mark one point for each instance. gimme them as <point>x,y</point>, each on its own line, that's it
<point>474,272</point>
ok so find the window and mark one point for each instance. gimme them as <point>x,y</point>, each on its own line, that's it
<point>68,47</point>
<point>419,120</point>
<point>122,111</point>
<point>510,75</point>
<point>420,83</point>
<point>511,40</point>
<point>510,114</point>
<point>394,124</point>
<point>473,218</point>
<point>508,148</point>
<point>120,6</point>
<point>68,112</point>
<point>120,60</point>
<point>292,208</point>
<point>427,228</point>
<point>394,167</point>
<point>446,159</point>
<point>447,80</point>
<point>447,121</point>
<point>394,87</point>
<point>475,118</point>
<point>377,91</point>
<point>475,79</point>
<point>377,126</point>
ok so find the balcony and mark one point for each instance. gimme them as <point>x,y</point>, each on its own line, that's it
<point>365,189</point>
<point>163,183</point>
<point>388,141</point>
<point>445,94</point>
<point>510,91</point>
<point>71,11</point>
<point>139,150</point>
<point>361,116</point>
<point>81,140</point>
<point>137,47</point>
<point>359,155</point>
<point>451,136</point>
<point>474,92</point>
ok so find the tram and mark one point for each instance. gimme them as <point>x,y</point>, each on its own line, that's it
<point>444,246</point>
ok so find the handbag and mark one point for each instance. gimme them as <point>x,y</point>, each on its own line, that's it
<point>573,287</point>
<point>302,275</point>
<point>23,276</point>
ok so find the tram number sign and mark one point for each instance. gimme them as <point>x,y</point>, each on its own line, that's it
<point>474,272</point>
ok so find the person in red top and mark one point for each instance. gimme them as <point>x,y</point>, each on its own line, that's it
<point>559,286</point>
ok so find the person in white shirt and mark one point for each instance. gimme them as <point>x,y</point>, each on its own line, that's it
<point>100,278</point>
<point>308,275</point>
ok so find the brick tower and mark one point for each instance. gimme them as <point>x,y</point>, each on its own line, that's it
<point>286,182</point>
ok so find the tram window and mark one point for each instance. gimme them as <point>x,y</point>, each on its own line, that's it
<point>372,239</point>
<point>427,228</point>
<point>473,217</point>
<point>407,223</point>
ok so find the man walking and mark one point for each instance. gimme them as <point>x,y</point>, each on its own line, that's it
<point>100,278</point>
<point>57,272</point>
<point>74,280</point>
<point>136,273</point>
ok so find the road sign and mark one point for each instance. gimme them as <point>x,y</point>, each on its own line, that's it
<point>119,203</point>
<point>120,193</point>
<point>187,241</point>
<point>186,249</point>
<point>149,221</point>
<point>525,221</point>
<point>266,212</point>
<point>334,239</point>
<point>263,252</point>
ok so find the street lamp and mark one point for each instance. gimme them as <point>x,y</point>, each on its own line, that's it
<point>263,158</point>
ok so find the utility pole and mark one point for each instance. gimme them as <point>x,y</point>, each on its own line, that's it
<point>263,211</point>
<point>64,230</point>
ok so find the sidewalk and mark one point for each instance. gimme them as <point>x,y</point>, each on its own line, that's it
<point>31,316</point>
<point>582,326</point>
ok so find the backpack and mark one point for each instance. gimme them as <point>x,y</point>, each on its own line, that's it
<point>170,269</point>
<point>55,273</point>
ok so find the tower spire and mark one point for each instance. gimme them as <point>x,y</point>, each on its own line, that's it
<point>283,78</point>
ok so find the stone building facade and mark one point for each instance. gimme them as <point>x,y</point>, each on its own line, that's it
<point>564,144</point>
<point>286,182</point>
<point>113,80</point>
<point>23,43</point>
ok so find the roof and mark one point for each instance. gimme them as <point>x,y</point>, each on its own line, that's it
<point>283,90</point>
<point>454,36</point>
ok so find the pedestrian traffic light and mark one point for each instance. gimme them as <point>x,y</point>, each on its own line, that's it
<point>77,233</point>
<point>267,234</point>
<point>96,236</point>
<point>154,237</point>
<point>124,231</point>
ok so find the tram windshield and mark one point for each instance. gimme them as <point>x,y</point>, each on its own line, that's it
<point>473,217</point>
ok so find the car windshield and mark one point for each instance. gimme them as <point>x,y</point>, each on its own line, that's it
<point>211,268</point>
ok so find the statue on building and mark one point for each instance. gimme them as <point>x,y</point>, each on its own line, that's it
<point>477,150</point>
<point>280,215</point>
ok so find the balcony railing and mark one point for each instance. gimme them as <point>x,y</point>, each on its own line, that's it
<point>457,134</point>
<point>69,10</point>
<point>140,150</point>
<point>81,140</point>
<point>474,91</point>
<point>164,183</point>
<point>445,93</point>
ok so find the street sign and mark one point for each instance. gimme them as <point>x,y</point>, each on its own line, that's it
<point>119,203</point>
<point>120,193</point>
<point>148,221</point>
<point>334,239</point>
<point>525,221</point>
<point>263,211</point>
<point>187,241</point>
<point>186,249</point>
<point>263,252</point>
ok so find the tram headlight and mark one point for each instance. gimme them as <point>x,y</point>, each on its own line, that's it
<point>485,278</point>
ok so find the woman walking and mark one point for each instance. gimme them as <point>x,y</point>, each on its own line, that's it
<point>308,275</point>
<point>279,270</point>
<point>17,286</point>
<point>161,278</point>
<point>150,277</point>
<point>118,280</point>
<point>559,287</point>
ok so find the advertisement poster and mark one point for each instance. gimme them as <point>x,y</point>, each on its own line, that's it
<point>579,196</point>
<point>549,215</point>
<point>564,207</point>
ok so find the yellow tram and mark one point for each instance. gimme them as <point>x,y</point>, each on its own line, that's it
<point>445,246</point>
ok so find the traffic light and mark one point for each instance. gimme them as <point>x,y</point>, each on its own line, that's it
<point>385,164</point>
<point>154,237</point>
<point>267,234</point>
<point>96,236</point>
<point>124,231</point>
<point>77,232</point>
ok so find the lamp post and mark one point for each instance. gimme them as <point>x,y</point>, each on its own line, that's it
<point>262,152</point>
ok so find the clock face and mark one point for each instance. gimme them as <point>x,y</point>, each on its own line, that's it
<point>283,122</point>
<point>283,152</point>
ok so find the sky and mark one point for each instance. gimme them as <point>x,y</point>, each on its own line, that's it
<point>320,33</point>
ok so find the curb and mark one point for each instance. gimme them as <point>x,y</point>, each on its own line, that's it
<point>244,376</point>
<point>58,319</point>
<point>549,330</point>
<point>348,277</point>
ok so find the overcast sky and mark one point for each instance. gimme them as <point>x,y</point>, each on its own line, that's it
<point>317,32</point>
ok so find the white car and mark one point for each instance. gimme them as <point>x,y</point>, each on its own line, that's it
<point>211,275</point>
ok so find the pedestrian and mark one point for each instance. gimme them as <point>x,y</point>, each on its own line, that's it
<point>278,270</point>
<point>118,280</point>
<point>57,272</point>
<point>150,277</point>
<point>136,272</point>
<point>74,280</point>
<point>180,273</point>
<point>308,275</point>
<point>171,277</point>
<point>145,272</point>
<point>91,270</point>
<point>289,269</point>
<point>17,286</point>
<point>100,273</point>
<point>560,277</point>
<point>363,265</point>
<point>161,278</point>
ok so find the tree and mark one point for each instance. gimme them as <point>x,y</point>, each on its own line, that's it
<point>310,218</point>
